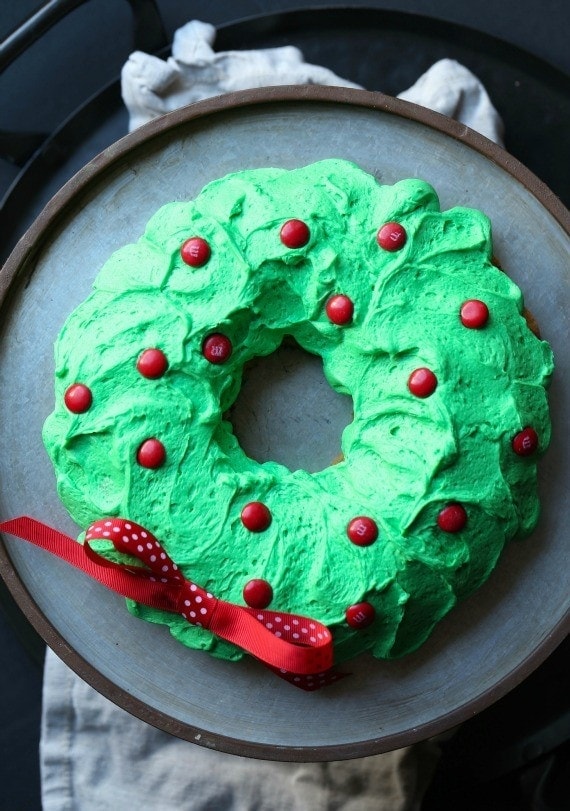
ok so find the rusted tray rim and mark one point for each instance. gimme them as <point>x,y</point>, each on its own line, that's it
<point>21,262</point>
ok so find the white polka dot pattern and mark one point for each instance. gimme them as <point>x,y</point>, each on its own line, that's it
<point>135,540</point>
<point>199,607</point>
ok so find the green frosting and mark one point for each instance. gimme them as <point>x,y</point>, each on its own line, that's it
<point>405,457</point>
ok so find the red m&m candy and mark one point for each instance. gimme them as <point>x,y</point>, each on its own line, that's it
<point>217,348</point>
<point>257,593</point>
<point>525,442</point>
<point>256,516</point>
<point>452,518</point>
<point>152,363</point>
<point>151,453</point>
<point>195,252</point>
<point>294,234</point>
<point>360,615</point>
<point>391,236</point>
<point>422,382</point>
<point>362,530</point>
<point>340,309</point>
<point>78,398</point>
<point>474,314</point>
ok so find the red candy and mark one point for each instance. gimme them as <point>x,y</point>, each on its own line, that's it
<point>360,615</point>
<point>151,454</point>
<point>78,398</point>
<point>525,442</point>
<point>422,382</point>
<point>391,236</point>
<point>340,309</point>
<point>257,593</point>
<point>255,516</point>
<point>452,518</point>
<point>217,348</point>
<point>362,531</point>
<point>195,252</point>
<point>474,314</point>
<point>152,363</point>
<point>294,234</point>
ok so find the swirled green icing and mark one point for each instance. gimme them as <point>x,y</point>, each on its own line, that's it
<point>405,457</point>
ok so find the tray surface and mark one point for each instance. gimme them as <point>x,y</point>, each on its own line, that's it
<point>486,645</point>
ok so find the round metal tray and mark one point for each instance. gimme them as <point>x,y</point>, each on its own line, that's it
<point>489,643</point>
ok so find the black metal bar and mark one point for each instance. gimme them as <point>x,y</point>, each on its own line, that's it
<point>148,29</point>
<point>149,35</point>
<point>149,32</point>
<point>17,147</point>
<point>32,29</point>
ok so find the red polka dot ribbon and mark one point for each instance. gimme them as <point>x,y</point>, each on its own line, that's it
<point>298,649</point>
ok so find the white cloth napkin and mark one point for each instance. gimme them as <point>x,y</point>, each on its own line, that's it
<point>152,86</point>
<point>97,757</point>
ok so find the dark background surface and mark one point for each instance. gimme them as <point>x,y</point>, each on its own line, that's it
<point>516,754</point>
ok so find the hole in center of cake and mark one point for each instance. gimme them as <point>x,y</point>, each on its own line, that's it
<point>287,412</point>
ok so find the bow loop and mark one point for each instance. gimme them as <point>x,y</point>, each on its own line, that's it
<point>197,605</point>
<point>296,648</point>
<point>134,539</point>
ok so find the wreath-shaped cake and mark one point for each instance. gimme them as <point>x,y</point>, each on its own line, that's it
<point>411,318</point>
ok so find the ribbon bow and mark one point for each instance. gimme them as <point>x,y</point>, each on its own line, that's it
<point>296,648</point>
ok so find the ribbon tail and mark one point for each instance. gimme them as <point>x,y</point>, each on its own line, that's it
<point>313,682</point>
<point>237,625</point>
<point>308,667</point>
<point>114,576</point>
<point>297,649</point>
